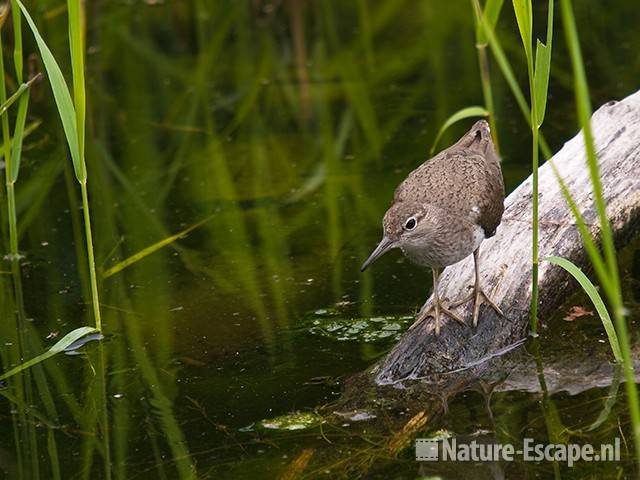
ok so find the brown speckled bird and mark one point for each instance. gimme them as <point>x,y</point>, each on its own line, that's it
<point>443,211</point>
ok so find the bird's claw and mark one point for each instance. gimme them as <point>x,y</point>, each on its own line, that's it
<point>435,310</point>
<point>479,298</point>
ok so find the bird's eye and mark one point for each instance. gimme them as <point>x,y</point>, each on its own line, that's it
<point>410,224</point>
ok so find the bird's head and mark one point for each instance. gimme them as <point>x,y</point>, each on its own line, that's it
<point>404,223</point>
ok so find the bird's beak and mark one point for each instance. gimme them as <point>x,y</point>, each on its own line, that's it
<point>385,245</point>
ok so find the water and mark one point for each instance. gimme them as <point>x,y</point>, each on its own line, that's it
<point>199,111</point>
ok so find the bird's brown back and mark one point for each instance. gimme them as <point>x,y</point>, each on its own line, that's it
<point>465,179</point>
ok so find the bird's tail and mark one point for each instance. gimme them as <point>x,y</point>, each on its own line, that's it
<point>479,139</point>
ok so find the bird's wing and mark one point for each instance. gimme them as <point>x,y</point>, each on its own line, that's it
<point>466,184</point>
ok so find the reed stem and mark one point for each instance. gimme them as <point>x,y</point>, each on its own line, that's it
<point>535,223</point>
<point>533,322</point>
<point>8,161</point>
<point>6,151</point>
<point>90,257</point>
<point>487,93</point>
<point>76,42</point>
<point>13,220</point>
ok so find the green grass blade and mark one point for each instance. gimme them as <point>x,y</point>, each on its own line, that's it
<point>589,244</point>
<point>61,95</point>
<point>543,68</point>
<point>12,99</point>
<point>503,63</point>
<point>150,249</point>
<point>54,460</point>
<point>4,119</point>
<point>595,297</point>
<point>491,14</point>
<point>17,41</point>
<point>58,347</point>
<point>67,114</point>
<point>490,17</point>
<point>509,76</point>
<point>541,79</point>
<point>76,43</point>
<point>462,114</point>
<point>524,17</point>
<point>16,144</point>
<point>583,104</point>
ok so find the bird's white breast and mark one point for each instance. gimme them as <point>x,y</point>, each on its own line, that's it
<point>442,251</point>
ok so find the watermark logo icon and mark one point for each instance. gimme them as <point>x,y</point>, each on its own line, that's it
<point>426,450</point>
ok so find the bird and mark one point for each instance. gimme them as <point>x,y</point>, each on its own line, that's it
<point>443,211</point>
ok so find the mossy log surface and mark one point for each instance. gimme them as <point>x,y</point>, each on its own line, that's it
<point>506,257</point>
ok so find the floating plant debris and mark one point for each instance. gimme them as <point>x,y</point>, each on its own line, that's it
<point>292,421</point>
<point>331,324</point>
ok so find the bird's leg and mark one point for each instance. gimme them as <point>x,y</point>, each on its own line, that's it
<point>478,294</point>
<point>436,307</point>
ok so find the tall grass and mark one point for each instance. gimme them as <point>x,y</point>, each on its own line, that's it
<point>72,116</point>
<point>491,14</point>
<point>12,147</point>
<point>605,265</point>
<point>609,278</point>
<point>76,43</point>
<point>538,72</point>
<point>508,73</point>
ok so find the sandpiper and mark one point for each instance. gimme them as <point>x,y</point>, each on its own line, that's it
<point>443,211</point>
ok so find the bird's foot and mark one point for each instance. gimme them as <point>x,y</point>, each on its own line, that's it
<point>479,298</point>
<point>435,310</point>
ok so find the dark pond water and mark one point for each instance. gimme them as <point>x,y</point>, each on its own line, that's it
<point>287,125</point>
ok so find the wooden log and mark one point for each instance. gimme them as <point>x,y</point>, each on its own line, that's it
<point>506,257</point>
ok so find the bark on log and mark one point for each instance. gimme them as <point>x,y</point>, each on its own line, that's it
<point>506,258</point>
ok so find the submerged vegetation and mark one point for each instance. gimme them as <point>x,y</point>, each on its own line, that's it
<point>230,151</point>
